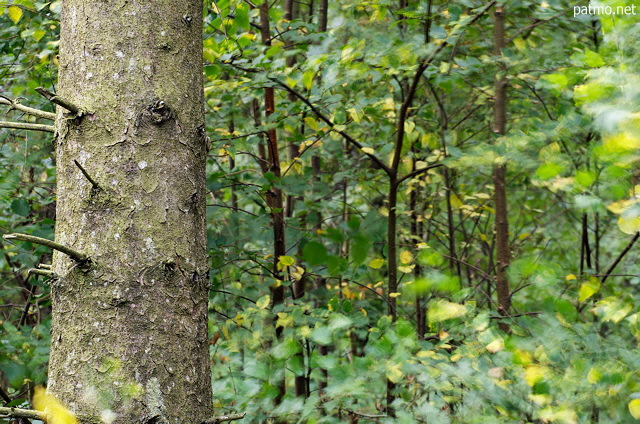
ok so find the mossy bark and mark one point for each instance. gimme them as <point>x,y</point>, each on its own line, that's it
<point>129,330</point>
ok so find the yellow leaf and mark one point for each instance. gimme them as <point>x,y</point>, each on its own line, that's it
<point>284,320</point>
<point>622,141</point>
<point>355,115</point>
<point>38,34</point>
<point>634,408</point>
<point>394,295</point>
<point>588,289</point>
<point>629,224</point>
<point>304,331</point>
<point>389,104</point>
<point>298,273</point>
<point>263,302</point>
<point>286,260</point>
<point>406,269</point>
<point>311,123</point>
<point>455,201</point>
<point>441,310</point>
<point>394,374</point>
<point>15,13</point>
<point>368,150</point>
<point>534,374</point>
<point>405,257</point>
<point>376,263</point>
<point>364,312</point>
<point>422,245</point>
<point>593,376</point>
<point>55,411</point>
<point>619,206</point>
<point>495,346</point>
<point>520,44</point>
<point>571,277</point>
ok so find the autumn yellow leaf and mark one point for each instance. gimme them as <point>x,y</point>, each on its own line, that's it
<point>406,257</point>
<point>15,13</point>
<point>376,263</point>
<point>55,411</point>
<point>634,408</point>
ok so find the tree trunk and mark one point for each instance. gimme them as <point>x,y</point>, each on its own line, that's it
<point>129,327</point>
<point>499,176</point>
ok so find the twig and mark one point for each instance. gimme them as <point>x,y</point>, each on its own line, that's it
<point>232,417</point>
<point>13,104</point>
<point>22,413</point>
<point>331,125</point>
<point>43,272</point>
<point>26,126</point>
<point>74,254</point>
<point>360,414</point>
<point>533,25</point>
<point>232,208</point>
<point>87,176</point>
<point>54,98</point>
<point>418,172</point>
<point>620,256</point>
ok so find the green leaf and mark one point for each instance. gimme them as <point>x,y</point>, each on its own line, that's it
<point>548,170</point>
<point>20,207</point>
<point>360,249</point>
<point>593,59</point>
<point>242,16</point>
<point>567,310</point>
<point>321,335</point>
<point>314,253</point>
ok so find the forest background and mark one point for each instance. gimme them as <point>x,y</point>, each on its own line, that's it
<point>417,211</point>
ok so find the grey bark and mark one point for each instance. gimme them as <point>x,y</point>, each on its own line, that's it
<point>129,327</point>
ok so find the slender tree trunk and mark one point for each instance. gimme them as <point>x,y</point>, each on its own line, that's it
<point>129,326</point>
<point>322,15</point>
<point>274,195</point>
<point>499,176</point>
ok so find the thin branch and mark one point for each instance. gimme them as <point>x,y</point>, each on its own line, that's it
<point>533,25</point>
<point>43,272</point>
<point>330,123</point>
<point>22,413</point>
<point>26,126</point>
<point>54,98</point>
<point>87,176</point>
<point>218,420</point>
<point>13,104</point>
<point>620,256</point>
<point>418,172</point>
<point>232,208</point>
<point>360,414</point>
<point>74,254</point>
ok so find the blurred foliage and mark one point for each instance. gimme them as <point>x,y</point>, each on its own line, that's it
<point>572,158</point>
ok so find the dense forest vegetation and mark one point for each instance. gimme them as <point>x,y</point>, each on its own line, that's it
<point>417,211</point>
